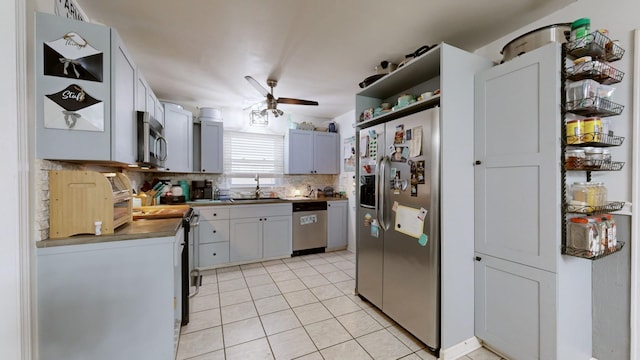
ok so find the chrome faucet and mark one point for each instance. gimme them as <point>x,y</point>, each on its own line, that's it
<point>257,179</point>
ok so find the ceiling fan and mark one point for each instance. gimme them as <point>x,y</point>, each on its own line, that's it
<point>272,102</point>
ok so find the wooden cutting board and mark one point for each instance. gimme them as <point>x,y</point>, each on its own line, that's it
<point>160,212</point>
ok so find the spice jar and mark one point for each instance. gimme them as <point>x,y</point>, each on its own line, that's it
<point>574,158</point>
<point>612,240</point>
<point>580,28</point>
<point>582,234</point>
<point>601,194</point>
<point>606,156</point>
<point>600,231</point>
<point>592,129</point>
<point>579,197</point>
<point>574,131</point>
<point>593,157</point>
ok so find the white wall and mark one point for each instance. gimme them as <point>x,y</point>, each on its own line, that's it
<point>13,302</point>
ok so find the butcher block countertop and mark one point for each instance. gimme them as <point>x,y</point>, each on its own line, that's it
<point>139,229</point>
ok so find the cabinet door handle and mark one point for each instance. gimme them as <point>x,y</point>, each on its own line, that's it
<point>215,231</point>
<point>478,258</point>
<point>478,162</point>
<point>265,219</point>
<point>204,170</point>
<point>215,214</point>
<point>214,254</point>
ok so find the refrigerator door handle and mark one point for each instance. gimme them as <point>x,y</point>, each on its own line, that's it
<point>382,191</point>
<point>378,195</point>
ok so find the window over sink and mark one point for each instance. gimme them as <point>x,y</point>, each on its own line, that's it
<point>248,154</point>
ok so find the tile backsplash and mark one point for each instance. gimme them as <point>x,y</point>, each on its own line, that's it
<point>285,186</point>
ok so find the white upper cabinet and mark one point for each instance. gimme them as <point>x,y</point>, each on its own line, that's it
<point>179,135</point>
<point>211,147</point>
<point>311,152</point>
<point>85,105</point>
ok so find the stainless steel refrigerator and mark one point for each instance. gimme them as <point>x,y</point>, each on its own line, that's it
<point>398,240</point>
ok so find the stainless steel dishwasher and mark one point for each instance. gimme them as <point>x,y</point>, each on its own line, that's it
<point>309,227</point>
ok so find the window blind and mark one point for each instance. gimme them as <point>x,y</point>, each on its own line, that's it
<point>249,154</point>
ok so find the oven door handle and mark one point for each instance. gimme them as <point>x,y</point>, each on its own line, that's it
<point>196,223</point>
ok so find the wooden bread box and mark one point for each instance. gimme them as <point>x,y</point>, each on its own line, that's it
<point>79,199</point>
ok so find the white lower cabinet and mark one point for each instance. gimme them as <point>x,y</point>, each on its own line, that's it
<point>243,233</point>
<point>213,254</point>
<point>213,236</point>
<point>247,239</point>
<point>337,216</point>
<point>515,307</point>
<point>110,300</point>
<point>276,236</point>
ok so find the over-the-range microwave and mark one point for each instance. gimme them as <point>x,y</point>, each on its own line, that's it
<point>152,146</point>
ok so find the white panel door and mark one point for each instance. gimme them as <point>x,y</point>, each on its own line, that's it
<point>246,239</point>
<point>326,153</point>
<point>124,145</point>
<point>337,216</point>
<point>515,308</point>
<point>179,134</point>
<point>517,151</point>
<point>276,236</point>
<point>299,152</point>
<point>211,147</point>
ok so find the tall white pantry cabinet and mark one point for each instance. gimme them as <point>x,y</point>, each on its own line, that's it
<point>532,302</point>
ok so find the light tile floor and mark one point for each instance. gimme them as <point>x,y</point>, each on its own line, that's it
<point>297,308</point>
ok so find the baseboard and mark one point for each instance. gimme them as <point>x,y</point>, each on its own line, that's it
<point>460,349</point>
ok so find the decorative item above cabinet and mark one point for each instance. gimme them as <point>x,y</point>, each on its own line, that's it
<point>85,93</point>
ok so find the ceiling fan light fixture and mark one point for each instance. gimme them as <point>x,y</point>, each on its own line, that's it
<point>259,118</point>
<point>275,112</point>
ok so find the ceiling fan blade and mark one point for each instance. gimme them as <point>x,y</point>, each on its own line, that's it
<point>296,101</point>
<point>257,85</point>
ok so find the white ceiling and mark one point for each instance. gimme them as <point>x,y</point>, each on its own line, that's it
<point>197,53</point>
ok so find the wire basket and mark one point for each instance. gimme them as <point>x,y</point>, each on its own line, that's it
<point>593,165</point>
<point>594,209</point>
<point>596,45</point>
<point>595,70</point>
<point>598,139</point>
<point>594,106</point>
